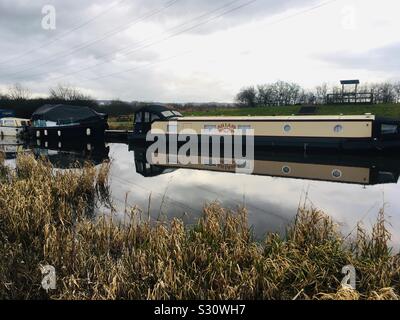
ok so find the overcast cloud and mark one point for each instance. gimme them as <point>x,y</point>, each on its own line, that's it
<point>192,50</point>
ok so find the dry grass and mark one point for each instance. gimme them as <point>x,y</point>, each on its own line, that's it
<point>44,220</point>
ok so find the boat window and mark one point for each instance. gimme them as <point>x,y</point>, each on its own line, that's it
<point>336,173</point>
<point>389,128</point>
<point>338,128</point>
<point>287,128</point>
<point>8,123</point>
<point>147,117</point>
<point>23,123</point>
<point>177,113</point>
<point>286,169</point>
<point>167,113</point>
<point>138,117</point>
<point>154,117</point>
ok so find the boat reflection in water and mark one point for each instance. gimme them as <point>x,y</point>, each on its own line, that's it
<point>68,154</point>
<point>335,167</point>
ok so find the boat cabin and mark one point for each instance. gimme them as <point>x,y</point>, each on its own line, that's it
<point>145,116</point>
<point>13,126</point>
<point>67,121</point>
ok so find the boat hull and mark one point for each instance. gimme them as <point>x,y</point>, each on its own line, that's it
<point>68,132</point>
<point>299,143</point>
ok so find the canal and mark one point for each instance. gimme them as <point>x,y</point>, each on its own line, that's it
<point>350,190</point>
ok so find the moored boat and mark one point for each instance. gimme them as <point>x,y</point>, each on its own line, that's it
<point>351,132</point>
<point>67,121</point>
<point>13,126</point>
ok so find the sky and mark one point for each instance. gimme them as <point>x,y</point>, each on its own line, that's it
<point>192,50</point>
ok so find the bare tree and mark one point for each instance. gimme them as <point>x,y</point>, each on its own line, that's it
<point>265,95</point>
<point>321,93</point>
<point>68,93</point>
<point>18,92</point>
<point>3,96</point>
<point>396,88</point>
<point>247,96</point>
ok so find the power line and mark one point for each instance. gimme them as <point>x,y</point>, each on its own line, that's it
<point>63,35</point>
<point>139,67</point>
<point>165,38</point>
<point>193,27</point>
<point>306,10</point>
<point>164,60</point>
<point>90,43</point>
<point>128,47</point>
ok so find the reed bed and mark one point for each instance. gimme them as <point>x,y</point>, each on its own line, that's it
<point>44,220</point>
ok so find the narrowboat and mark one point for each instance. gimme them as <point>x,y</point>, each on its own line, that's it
<point>67,122</point>
<point>353,168</point>
<point>337,132</point>
<point>13,127</point>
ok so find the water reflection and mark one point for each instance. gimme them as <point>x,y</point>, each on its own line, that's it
<point>346,168</point>
<point>70,154</point>
<point>271,195</point>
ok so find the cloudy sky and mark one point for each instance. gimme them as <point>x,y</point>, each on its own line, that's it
<point>194,50</point>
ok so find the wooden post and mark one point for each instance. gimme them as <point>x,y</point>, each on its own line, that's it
<point>355,94</point>
<point>342,93</point>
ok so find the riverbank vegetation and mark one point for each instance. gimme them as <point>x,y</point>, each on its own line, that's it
<point>282,93</point>
<point>44,220</point>
<point>391,110</point>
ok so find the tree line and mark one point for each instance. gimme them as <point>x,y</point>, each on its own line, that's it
<point>21,100</point>
<point>282,93</point>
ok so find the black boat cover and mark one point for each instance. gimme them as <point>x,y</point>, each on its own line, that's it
<point>62,113</point>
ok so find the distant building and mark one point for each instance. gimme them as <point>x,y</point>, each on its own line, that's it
<point>351,96</point>
<point>7,113</point>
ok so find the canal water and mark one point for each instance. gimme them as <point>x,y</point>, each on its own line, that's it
<point>349,189</point>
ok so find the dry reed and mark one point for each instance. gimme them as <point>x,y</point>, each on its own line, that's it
<point>44,220</point>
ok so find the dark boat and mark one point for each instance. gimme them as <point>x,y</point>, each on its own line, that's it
<point>365,132</point>
<point>66,121</point>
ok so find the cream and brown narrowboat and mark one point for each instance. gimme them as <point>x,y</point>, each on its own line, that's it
<point>351,132</point>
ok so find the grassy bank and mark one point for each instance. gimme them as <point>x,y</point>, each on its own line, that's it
<point>385,110</point>
<point>44,220</point>
<point>121,122</point>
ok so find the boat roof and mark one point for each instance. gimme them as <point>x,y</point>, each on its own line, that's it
<point>14,118</point>
<point>56,112</point>
<point>156,108</point>
<point>283,118</point>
